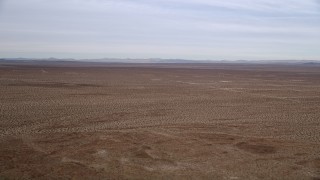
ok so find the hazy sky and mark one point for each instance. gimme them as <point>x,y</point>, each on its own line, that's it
<point>189,29</point>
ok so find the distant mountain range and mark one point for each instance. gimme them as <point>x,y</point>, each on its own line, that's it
<point>151,60</point>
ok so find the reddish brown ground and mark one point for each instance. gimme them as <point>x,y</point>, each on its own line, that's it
<point>160,122</point>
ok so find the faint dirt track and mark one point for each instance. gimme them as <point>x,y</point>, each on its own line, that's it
<point>174,121</point>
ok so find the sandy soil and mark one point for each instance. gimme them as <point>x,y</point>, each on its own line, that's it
<point>160,122</point>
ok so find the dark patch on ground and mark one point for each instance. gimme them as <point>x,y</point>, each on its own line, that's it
<point>52,85</point>
<point>256,148</point>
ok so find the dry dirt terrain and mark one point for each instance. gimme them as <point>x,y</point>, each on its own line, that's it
<point>188,121</point>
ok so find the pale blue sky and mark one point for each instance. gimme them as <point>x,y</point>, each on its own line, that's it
<point>185,29</point>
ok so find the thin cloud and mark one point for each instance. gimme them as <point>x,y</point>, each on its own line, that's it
<point>164,28</point>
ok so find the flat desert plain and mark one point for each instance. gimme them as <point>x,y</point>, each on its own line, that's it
<point>149,121</point>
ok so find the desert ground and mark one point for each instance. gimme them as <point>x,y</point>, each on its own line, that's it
<point>167,121</point>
